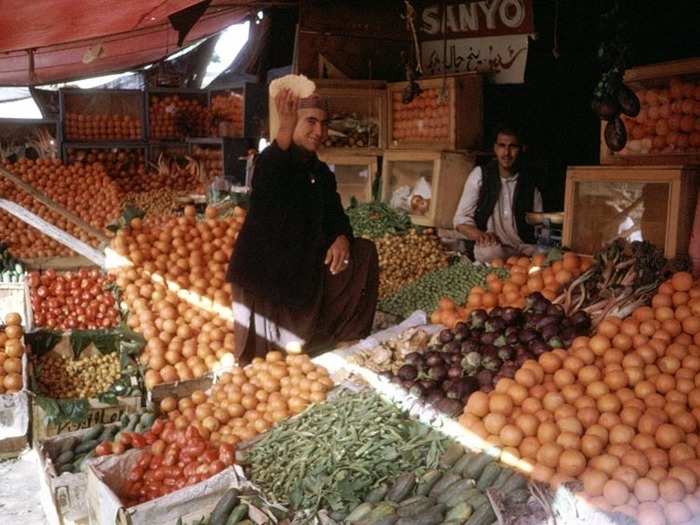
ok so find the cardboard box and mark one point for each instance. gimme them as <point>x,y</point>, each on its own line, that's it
<point>106,476</point>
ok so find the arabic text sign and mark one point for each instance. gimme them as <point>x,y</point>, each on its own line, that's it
<point>475,18</point>
<point>502,56</point>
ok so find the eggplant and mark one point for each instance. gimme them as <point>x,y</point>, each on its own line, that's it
<point>527,335</point>
<point>512,339</point>
<point>581,318</point>
<point>606,107</point>
<point>469,346</point>
<point>485,377</point>
<point>549,331</point>
<point>386,375</point>
<point>500,341</point>
<point>510,315</point>
<point>452,348</point>
<point>486,389</point>
<point>539,347</point>
<point>414,358</point>
<point>556,310</point>
<point>555,342</point>
<point>427,384</point>
<point>628,101</point>
<point>495,324</point>
<point>492,363</point>
<point>496,311</point>
<point>434,396</point>
<point>506,353</point>
<point>533,299</point>
<point>477,318</point>
<point>408,373</point>
<point>469,385</point>
<point>519,360</point>
<point>434,359</point>
<point>454,391</point>
<point>417,390</point>
<point>446,336</point>
<point>460,332</point>
<point>397,380</point>
<point>407,384</point>
<point>471,360</point>
<point>489,351</point>
<point>437,372</point>
<point>451,407</point>
<point>455,372</point>
<point>488,338</point>
<point>508,371</point>
<point>454,359</point>
<point>521,350</point>
<point>615,134</point>
<point>546,320</point>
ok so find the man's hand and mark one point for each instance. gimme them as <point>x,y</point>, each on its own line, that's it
<point>487,239</point>
<point>338,255</point>
<point>287,105</point>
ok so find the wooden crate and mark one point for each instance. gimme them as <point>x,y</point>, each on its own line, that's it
<point>358,116</point>
<point>354,175</point>
<point>444,171</point>
<point>654,203</point>
<point>178,389</point>
<point>244,106</point>
<point>162,106</point>
<point>90,115</point>
<point>661,80</point>
<point>452,120</point>
<point>14,297</point>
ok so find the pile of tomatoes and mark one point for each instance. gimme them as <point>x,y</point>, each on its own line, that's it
<point>77,300</point>
<point>171,459</point>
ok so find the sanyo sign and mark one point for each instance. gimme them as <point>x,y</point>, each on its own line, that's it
<point>483,16</point>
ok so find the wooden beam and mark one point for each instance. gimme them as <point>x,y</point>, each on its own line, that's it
<point>54,206</point>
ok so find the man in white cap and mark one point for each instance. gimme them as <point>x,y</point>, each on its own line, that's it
<point>299,278</point>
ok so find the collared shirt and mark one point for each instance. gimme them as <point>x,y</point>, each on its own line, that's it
<point>502,221</point>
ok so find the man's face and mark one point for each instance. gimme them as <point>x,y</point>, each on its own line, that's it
<point>507,149</point>
<point>311,128</point>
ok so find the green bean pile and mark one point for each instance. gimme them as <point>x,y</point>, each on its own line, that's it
<point>336,452</point>
<point>376,219</point>
<point>424,293</point>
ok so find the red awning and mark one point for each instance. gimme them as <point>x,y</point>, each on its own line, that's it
<point>48,41</point>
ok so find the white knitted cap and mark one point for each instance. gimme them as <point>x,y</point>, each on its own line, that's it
<point>300,86</point>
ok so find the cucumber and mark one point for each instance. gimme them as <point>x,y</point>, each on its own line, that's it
<point>461,463</point>
<point>488,476</point>
<point>359,512</point>
<point>415,505</point>
<point>504,476</point>
<point>108,434</point>
<point>68,444</point>
<point>133,421</point>
<point>377,494</point>
<point>68,467</point>
<point>471,496</point>
<point>124,420</point>
<point>459,513</point>
<point>80,464</point>
<point>457,488</point>
<point>147,419</point>
<point>86,446</point>
<point>476,466</point>
<point>65,457</point>
<point>515,482</point>
<point>483,515</point>
<point>237,514</point>
<point>388,520</point>
<point>384,510</point>
<point>224,507</point>
<point>426,482</point>
<point>445,481</point>
<point>432,516</point>
<point>93,433</point>
<point>451,455</point>
<point>402,487</point>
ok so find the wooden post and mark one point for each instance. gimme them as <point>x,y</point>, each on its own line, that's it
<point>54,206</point>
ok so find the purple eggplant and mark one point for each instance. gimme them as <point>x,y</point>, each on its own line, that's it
<point>414,358</point>
<point>496,311</point>
<point>512,339</point>
<point>500,341</point>
<point>485,377</point>
<point>487,389</point>
<point>460,332</point>
<point>469,385</point>
<point>452,348</point>
<point>546,321</point>
<point>477,318</point>
<point>527,335</point>
<point>506,353</point>
<point>452,389</point>
<point>446,336</point>
<point>511,330</point>
<point>555,342</point>
<point>508,371</point>
<point>427,384</point>
<point>535,298</point>
<point>556,310</point>
<point>470,346</point>
<point>408,373</point>
<point>433,359</point>
<point>488,338</point>
<point>520,359</point>
<point>471,360</point>
<point>495,324</point>
<point>510,315</point>
<point>549,331</point>
<point>489,351</point>
<point>434,396</point>
<point>437,372</point>
<point>407,384</point>
<point>450,407</point>
<point>454,359</point>
<point>416,390</point>
<point>581,320</point>
<point>455,372</point>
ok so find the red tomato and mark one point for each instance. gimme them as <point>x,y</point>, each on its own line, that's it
<point>169,459</point>
<point>169,482</point>
<point>211,454</point>
<point>104,448</point>
<point>145,459</point>
<point>138,441</point>
<point>194,449</point>
<point>125,439</point>
<point>159,473</point>
<point>136,474</point>
<point>227,453</point>
<point>150,437</point>
<point>158,426</point>
<point>190,469</point>
<point>216,466</point>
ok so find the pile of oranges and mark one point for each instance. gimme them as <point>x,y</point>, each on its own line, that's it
<point>165,111</point>
<point>176,293</point>
<point>86,126</point>
<point>619,410</point>
<point>11,352</point>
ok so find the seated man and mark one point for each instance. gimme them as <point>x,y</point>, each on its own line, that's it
<point>491,212</point>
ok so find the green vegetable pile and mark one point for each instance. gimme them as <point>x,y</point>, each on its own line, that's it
<point>242,507</point>
<point>376,219</point>
<point>453,493</point>
<point>335,453</point>
<point>454,282</point>
<point>11,270</point>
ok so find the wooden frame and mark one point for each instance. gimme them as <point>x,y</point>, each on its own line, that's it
<point>449,173</point>
<point>654,76</point>
<point>363,97</point>
<point>465,113</point>
<point>349,190</point>
<point>683,185</point>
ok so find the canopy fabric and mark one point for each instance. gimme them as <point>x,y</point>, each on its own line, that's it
<point>49,41</point>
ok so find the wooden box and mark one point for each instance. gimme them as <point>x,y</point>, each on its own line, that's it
<point>447,115</point>
<point>652,203</point>
<point>354,175</point>
<point>175,114</point>
<point>238,110</point>
<point>427,184</point>
<point>90,115</point>
<point>357,119</point>
<point>667,129</point>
